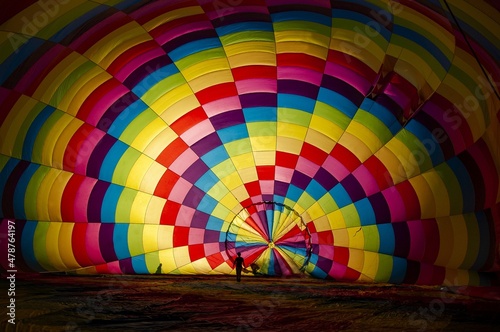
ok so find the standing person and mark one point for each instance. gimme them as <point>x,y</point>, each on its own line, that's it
<point>238,263</point>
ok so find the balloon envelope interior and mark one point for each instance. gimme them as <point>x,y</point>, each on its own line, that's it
<point>348,140</point>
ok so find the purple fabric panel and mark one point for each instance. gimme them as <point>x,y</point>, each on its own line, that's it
<point>105,239</point>
<point>145,70</point>
<point>211,236</point>
<point>126,266</point>
<point>300,180</point>
<point>327,180</point>
<point>298,88</point>
<point>96,198</point>
<point>353,188</point>
<point>380,207</point>
<point>227,119</point>
<point>402,238</point>
<point>343,88</point>
<point>188,38</point>
<point>258,99</point>
<point>193,197</point>
<point>97,157</point>
<point>280,188</point>
<point>206,144</point>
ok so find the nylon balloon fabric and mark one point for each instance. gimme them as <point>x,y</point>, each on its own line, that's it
<point>348,140</point>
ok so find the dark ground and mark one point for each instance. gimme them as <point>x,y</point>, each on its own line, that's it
<point>219,303</point>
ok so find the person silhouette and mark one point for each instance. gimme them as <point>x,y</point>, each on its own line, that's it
<point>158,270</point>
<point>239,262</point>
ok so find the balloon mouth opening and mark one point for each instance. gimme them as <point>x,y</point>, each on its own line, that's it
<point>273,239</point>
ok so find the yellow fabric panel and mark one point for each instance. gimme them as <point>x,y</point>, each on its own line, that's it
<point>356,259</point>
<point>11,127</point>
<point>138,172</point>
<point>302,42</point>
<point>49,147</point>
<point>43,194</point>
<point>232,181</point>
<point>107,47</point>
<point>243,160</point>
<point>63,140</point>
<point>431,74</point>
<point>356,238</point>
<point>181,256</point>
<point>174,104</point>
<point>356,146</point>
<point>204,67</point>
<point>321,223</point>
<point>252,59</point>
<point>392,163</point>
<point>225,205</point>
<point>455,277</point>
<point>365,135</point>
<point>291,130</point>
<point>299,34</point>
<point>159,142</point>
<point>408,164</point>
<point>336,219</point>
<point>165,236</point>
<point>139,208</point>
<point>211,79</point>
<point>290,145</point>
<point>134,239</point>
<point>370,265</point>
<point>65,246</point>
<point>373,57</point>
<point>488,22</point>
<point>128,41</point>
<point>316,211</point>
<point>327,128</point>
<point>439,32</point>
<point>446,242</point>
<point>201,266</point>
<point>90,85</point>
<point>55,196</point>
<point>154,210</point>
<point>412,73</point>
<point>341,237</point>
<point>265,158</point>
<point>152,177</point>
<point>425,197</point>
<point>150,238</point>
<point>167,260</point>
<point>246,49</point>
<point>439,193</point>
<point>263,143</point>
<point>460,241</point>
<point>148,134</point>
<point>76,95</point>
<point>172,15</point>
<point>248,174</point>
<point>53,80</point>
<point>52,245</point>
<point>239,194</point>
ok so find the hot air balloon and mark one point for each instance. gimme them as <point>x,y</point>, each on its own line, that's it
<point>350,140</point>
